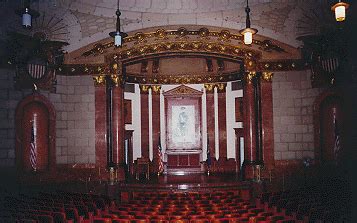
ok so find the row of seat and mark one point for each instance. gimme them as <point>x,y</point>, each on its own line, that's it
<point>310,204</point>
<point>216,207</point>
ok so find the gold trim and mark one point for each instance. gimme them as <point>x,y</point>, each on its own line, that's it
<point>250,76</point>
<point>267,76</point>
<point>99,80</point>
<point>182,33</point>
<point>221,87</point>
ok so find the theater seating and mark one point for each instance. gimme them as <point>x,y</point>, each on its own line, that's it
<point>143,207</point>
<point>324,203</point>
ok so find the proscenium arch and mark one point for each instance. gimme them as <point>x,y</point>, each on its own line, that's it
<point>102,57</point>
<point>179,79</point>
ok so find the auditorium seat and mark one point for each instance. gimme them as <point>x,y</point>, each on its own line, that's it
<point>159,221</point>
<point>179,221</point>
<point>72,214</point>
<point>119,220</point>
<point>45,218</point>
<point>102,220</point>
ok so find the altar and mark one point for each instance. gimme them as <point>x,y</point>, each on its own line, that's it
<point>184,159</point>
<point>183,128</point>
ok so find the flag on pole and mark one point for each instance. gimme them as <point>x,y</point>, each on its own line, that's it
<point>208,160</point>
<point>159,156</point>
<point>33,160</point>
<point>337,145</point>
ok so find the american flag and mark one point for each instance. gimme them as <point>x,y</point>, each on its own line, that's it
<point>159,155</point>
<point>36,71</point>
<point>208,160</point>
<point>337,146</point>
<point>33,160</point>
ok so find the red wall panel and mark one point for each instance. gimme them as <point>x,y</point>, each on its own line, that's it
<point>210,122</point>
<point>222,125</point>
<point>144,125</point>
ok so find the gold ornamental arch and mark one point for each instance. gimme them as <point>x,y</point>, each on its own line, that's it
<point>103,58</point>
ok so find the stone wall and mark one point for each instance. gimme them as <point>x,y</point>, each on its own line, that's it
<point>9,98</point>
<point>74,105</point>
<point>293,99</point>
<point>75,132</point>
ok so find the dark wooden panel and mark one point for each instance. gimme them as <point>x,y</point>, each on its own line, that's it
<point>238,103</point>
<point>144,125</point>
<point>183,160</point>
<point>222,125</point>
<point>194,159</point>
<point>172,160</point>
<point>127,112</point>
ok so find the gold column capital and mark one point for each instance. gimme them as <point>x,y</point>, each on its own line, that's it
<point>267,76</point>
<point>155,89</point>
<point>99,80</point>
<point>221,87</point>
<point>249,76</point>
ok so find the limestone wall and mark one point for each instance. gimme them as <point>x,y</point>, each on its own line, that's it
<point>74,105</point>
<point>293,99</point>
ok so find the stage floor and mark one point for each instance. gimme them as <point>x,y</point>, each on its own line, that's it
<point>193,181</point>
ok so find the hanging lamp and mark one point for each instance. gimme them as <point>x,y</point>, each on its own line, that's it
<point>117,34</point>
<point>27,14</point>
<point>340,10</point>
<point>248,32</point>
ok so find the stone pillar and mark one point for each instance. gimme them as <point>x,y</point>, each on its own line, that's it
<point>267,120</point>
<point>118,127</point>
<point>249,125</point>
<point>258,119</point>
<point>100,125</point>
<point>109,119</point>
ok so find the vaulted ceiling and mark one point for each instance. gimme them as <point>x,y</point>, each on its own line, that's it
<point>81,22</point>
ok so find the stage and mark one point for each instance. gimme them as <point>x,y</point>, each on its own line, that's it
<point>197,182</point>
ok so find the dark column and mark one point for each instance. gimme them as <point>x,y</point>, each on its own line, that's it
<point>249,127</point>
<point>109,120</point>
<point>252,123</point>
<point>258,119</point>
<point>222,124</point>
<point>118,129</point>
<point>267,120</point>
<point>100,125</point>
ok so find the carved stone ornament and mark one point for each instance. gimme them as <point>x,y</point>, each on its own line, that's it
<point>182,90</point>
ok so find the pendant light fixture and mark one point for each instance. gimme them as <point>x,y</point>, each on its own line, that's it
<point>117,35</point>
<point>248,32</point>
<point>27,14</point>
<point>340,10</point>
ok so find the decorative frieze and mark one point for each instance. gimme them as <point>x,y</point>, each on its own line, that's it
<point>101,80</point>
<point>203,34</point>
<point>221,87</point>
<point>155,89</point>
